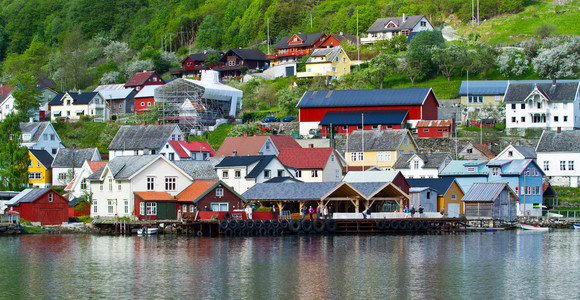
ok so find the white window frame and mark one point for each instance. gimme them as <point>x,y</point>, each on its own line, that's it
<point>170,183</point>
<point>150,183</point>
<point>219,192</point>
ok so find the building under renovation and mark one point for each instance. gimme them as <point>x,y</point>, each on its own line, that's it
<point>197,104</point>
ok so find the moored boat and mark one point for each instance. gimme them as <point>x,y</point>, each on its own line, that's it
<point>577,226</point>
<point>532,227</point>
<point>147,231</point>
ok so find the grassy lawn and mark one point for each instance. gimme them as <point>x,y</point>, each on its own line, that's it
<point>568,194</point>
<point>512,29</point>
<point>86,134</point>
<point>216,137</point>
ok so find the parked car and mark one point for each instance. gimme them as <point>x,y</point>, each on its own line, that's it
<point>271,119</point>
<point>289,119</point>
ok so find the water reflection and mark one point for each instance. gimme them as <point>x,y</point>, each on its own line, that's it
<point>487,265</point>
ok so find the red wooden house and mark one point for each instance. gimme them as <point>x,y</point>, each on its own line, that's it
<point>145,99</point>
<point>40,205</point>
<point>152,205</point>
<point>233,62</point>
<point>421,104</point>
<point>78,209</point>
<point>336,39</point>
<point>436,128</point>
<point>210,198</point>
<point>141,79</point>
<point>292,48</point>
<point>192,65</point>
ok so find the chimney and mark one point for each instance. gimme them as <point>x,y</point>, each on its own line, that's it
<point>234,153</point>
<point>143,123</point>
<point>310,145</point>
<point>489,146</point>
<point>245,134</point>
<point>404,17</point>
<point>559,129</point>
<point>553,81</point>
<point>341,33</point>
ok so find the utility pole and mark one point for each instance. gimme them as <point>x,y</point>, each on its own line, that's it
<point>268,36</point>
<point>478,13</point>
<point>472,13</point>
<point>310,19</point>
<point>357,38</point>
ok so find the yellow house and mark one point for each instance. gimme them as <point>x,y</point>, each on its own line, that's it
<point>40,170</point>
<point>329,62</point>
<point>381,148</point>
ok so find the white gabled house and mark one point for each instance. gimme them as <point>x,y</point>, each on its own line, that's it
<point>314,164</point>
<point>243,172</point>
<point>559,157</point>
<point>422,165</point>
<point>142,139</point>
<point>517,152</point>
<point>69,162</point>
<point>79,185</point>
<point>387,28</point>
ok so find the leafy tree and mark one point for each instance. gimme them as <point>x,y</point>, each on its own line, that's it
<point>380,66</point>
<point>248,128</point>
<point>212,59</point>
<point>288,99</point>
<point>559,62</point>
<point>32,60</point>
<point>512,63</point>
<point>482,59</point>
<point>117,52</point>
<point>531,48</point>
<point>450,59</point>
<point>420,49</point>
<point>138,66</point>
<point>412,67</point>
<point>3,42</point>
<point>26,95</point>
<point>70,64</point>
<point>14,159</point>
<point>208,34</point>
<point>162,61</point>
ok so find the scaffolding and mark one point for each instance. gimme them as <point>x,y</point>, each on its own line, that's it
<point>195,105</point>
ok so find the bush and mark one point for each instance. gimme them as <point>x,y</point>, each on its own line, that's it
<point>114,117</point>
<point>533,133</point>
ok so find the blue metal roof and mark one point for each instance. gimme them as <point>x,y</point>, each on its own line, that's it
<point>441,185</point>
<point>362,98</point>
<point>371,117</point>
<point>495,87</point>
<point>459,168</point>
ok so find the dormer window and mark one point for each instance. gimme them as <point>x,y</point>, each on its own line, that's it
<point>495,171</point>
<point>416,164</point>
<point>470,169</point>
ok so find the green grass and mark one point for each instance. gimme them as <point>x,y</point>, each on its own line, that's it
<point>512,29</point>
<point>568,194</point>
<point>216,137</point>
<point>86,134</point>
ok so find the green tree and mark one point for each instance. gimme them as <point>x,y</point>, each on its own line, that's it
<point>482,59</point>
<point>32,60</point>
<point>14,159</point>
<point>380,66</point>
<point>208,34</point>
<point>411,67</point>
<point>288,99</point>
<point>449,59</point>
<point>421,46</point>
<point>26,95</point>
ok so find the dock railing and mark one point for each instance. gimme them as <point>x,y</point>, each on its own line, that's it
<point>564,215</point>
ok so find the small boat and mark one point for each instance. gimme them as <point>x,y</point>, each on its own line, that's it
<point>147,231</point>
<point>532,227</point>
<point>577,226</point>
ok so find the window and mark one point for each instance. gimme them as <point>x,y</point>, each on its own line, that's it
<point>148,104</point>
<point>84,184</point>
<point>101,186</point>
<point>513,106</point>
<point>453,197</point>
<point>361,156</point>
<point>150,183</point>
<point>267,173</point>
<point>423,23</point>
<point>110,184</point>
<point>546,165</point>
<point>61,176</point>
<point>110,207</point>
<point>142,103</point>
<point>237,174</point>
<point>337,173</point>
<point>49,197</point>
<point>562,165</point>
<point>151,208</point>
<point>570,165</point>
<point>469,150</point>
<point>298,173</point>
<point>523,106</point>
<point>495,171</point>
<point>170,183</point>
<point>191,208</point>
<point>38,164</point>
<point>34,176</point>
<point>555,118</point>
<point>52,137</point>
<point>470,169</point>
<point>126,206</point>
<point>406,140</point>
<point>53,150</point>
<point>314,173</point>
<point>565,118</point>
<point>344,59</point>
<point>428,195</point>
<point>225,174</point>
<point>184,208</point>
<point>220,206</point>
<point>95,206</point>
<point>171,156</point>
<point>219,192</point>
<point>280,173</point>
<point>334,68</point>
<point>516,190</point>
<point>523,119</point>
<point>119,186</point>
<point>416,164</point>
<point>510,153</point>
<point>539,105</point>
<point>426,130</point>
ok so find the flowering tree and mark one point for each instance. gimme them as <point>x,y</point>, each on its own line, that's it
<point>512,63</point>
<point>559,61</point>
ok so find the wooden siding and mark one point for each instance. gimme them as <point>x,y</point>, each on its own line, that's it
<point>478,209</point>
<point>316,114</point>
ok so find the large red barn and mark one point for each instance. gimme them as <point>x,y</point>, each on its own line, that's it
<point>40,205</point>
<point>421,104</point>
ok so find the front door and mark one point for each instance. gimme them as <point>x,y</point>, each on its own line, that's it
<point>453,210</point>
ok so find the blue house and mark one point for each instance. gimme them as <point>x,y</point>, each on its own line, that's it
<point>466,172</point>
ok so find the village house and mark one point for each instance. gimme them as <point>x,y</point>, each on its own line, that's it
<point>256,145</point>
<point>142,139</point>
<point>558,153</point>
<point>235,61</point>
<point>448,193</point>
<point>313,164</point>
<point>192,65</point>
<point>345,122</point>
<point>335,40</point>
<point>142,79</point>
<point>208,196</point>
<point>145,99</point>
<point>182,150</point>
<point>494,200</point>
<point>6,101</point>
<point>290,49</point>
<point>119,101</point>
<point>476,152</point>
<point>113,186</point>
<point>72,106</point>
<point>40,169</point>
<point>421,104</point>
<point>79,185</point>
<point>46,92</point>
<point>243,172</point>
<point>68,163</point>
<point>40,136</point>
<point>331,63</point>
<point>378,175</point>
<point>435,128</point>
<point>422,165</point>
<point>366,149</point>
<point>387,28</point>
<point>45,206</point>
<point>549,106</point>
<point>517,152</point>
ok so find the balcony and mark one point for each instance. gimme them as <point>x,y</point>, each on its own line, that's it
<point>290,53</point>
<point>228,67</point>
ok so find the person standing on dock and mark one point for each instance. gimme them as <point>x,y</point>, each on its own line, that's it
<point>274,214</point>
<point>304,212</point>
<point>421,209</point>
<point>249,212</point>
<point>310,211</point>
<point>412,211</point>
<point>442,211</point>
<point>325,214</point>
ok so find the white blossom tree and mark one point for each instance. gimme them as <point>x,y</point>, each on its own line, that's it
<point>512,63</point>
<point>561,61</point>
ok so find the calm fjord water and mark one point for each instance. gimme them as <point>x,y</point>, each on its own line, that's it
<point>511,264</point>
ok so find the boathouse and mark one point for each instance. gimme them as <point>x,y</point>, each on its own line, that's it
<point>495,200</point>
<point>40,205</point>
<point>210,198</point>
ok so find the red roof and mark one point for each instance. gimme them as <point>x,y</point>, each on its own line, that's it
<point>195,190</point>
<point>70,184</point>
<point>305,158</point>
<point>198,146</point>
<point>5,91</point>
<point>483,148</point>
<point>177,147</point>
<point>434,123</point>
<point>251,145</point>
<point>154,196</point>
<point>140,78</point>
<point>95,165</point>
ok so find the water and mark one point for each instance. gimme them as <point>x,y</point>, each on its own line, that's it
<point>511,264</point>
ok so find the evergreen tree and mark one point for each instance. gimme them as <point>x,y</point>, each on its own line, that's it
<point>14,158</point>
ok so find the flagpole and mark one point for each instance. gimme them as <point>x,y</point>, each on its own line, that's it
<point>363,140</point>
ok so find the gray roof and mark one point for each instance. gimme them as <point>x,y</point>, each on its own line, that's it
<point>204,169</point>
<point>123,167</point>
<point>247,54</point>
<point>561,92</point>
<point>513,166</point>
<point>290,190</point>
<point>308,40</point>
<point>408,23</point>
<point>136,137</point>
<point>67,158</point>
<point>363,98</point>
<point>431,160</point>
<point>484,191</point>
<point>377,139</point>
<point>43,156</point>
<point>526,151</point>
<point>496,87</point>
<point>368,188</point>
<point>36,128</point>
<point>27,196</point>
<point>370,176</point>
<point>329,53</point>
<point>565,141</point>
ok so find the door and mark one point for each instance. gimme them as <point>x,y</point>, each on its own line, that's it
<point>289,71</point>
<point>453,210</point>
<point>166,211</point>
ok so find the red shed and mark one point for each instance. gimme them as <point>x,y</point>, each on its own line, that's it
<point>212,196</point>
<point>438,128</point>
<point>40,205</point>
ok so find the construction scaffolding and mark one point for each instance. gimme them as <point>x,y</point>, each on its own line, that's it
<point>195,105</point>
